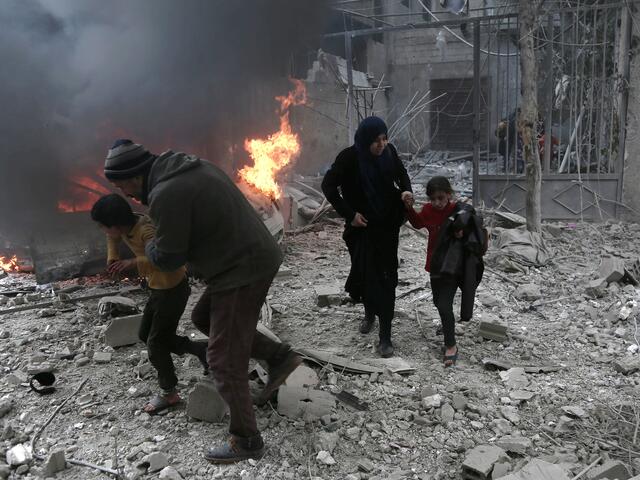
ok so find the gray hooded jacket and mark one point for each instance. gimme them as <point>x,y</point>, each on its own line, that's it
<point>202,218</point>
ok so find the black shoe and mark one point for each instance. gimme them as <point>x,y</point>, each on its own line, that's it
<point>278,374</point>
<point>236,450</point>
<point>385,348</point>
<point>366,324</point>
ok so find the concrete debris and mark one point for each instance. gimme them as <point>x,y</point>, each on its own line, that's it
<point>327,295</point>
<point>169,473</point>
<point>447,413</point>
<point>154,462</point>
<point>627,365</point>
<point>302,376</point>
<point>609,470</point>
<point>327,441</point>
<point>511,414</point>
<point>522,247</point>
<point>514,444</point>
<point>480,460</point>
<point>304,402</point>
<point>574,411</point>
<point>611,269</point>
<point>6,405</point>
<point>102,357</point>
<point>19,455</point>
<point>123,331</point>
<point>325,458</point>
<point>515,378</point>
<point>365,465</point>
<point>116,306</point>
<point>632,272</point>
<point>47,312</point>
<point>55,463</point>
<point>521,395</point>
<point>597,288</point>
<point>528,292</point>
<point>493,330</point>
<point>433,401</point>
<point>206,404</point>
<point>539,470</point>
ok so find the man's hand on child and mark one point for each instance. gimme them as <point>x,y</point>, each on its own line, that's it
<point>358,220</point>
<point>407,199</point>
<point>120,266</point>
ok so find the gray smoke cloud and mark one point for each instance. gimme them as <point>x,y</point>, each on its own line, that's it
<point>77,74</point>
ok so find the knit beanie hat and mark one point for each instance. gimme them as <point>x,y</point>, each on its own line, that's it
<point>127,160</point>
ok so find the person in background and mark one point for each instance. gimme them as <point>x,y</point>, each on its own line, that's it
<point>367,185</point>
<point>169,294</point>
<point>457,241</point>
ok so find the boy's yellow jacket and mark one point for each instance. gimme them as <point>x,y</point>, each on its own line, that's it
<point>142,232</point>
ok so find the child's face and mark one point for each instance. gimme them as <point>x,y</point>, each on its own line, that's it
<point>378,145</point>
<point>440,200</point>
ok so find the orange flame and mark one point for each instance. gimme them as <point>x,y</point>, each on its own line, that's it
<point>279,149</point>
<point>83,193</point>
<point>9,264</point>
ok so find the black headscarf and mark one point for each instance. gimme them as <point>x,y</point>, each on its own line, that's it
<point>376,172</point>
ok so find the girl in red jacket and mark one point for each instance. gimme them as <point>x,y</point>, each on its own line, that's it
<point>454,255</point>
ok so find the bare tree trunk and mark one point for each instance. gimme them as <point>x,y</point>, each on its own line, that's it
<point>527,119</point>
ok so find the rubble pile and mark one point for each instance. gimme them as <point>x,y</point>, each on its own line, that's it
<point>546,385</point>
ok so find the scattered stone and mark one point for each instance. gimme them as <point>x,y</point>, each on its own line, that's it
<point>5,470</point>
<point>479,462</point>
<point>302,376</point>
<point>16,378</point>
<point>81,361</point>
<point>325,458</point>
<point>488,300</point>
<point>327,441</point>
<point>515,378</point>
<point>511,414</point>
<point>459,402</point>
<point>365,465</point>
<point>610,470</point>
<point>6,405</point>
<point>327,295</point>
<point>611,269</point>
<point>627,365</point>
<point>296,402</point>
<point>206,404</point>
<point>154,462</point>
<point>116,306</point>
<point>447,413</point>
<point>102,357</point>
<point>529,292</point>
<point>169,473</point>
<point>55,463</point>
<point>597,288</point>
<point>539,470</point>
<point>123,331</point>
<point>574,411</point>
<point>433,401</point>
<point>521,395</point>
<point>18,455</point>
<point>47,312</point>
<point>493,330</point>
<point>44,367</point>
<point>514,444</point>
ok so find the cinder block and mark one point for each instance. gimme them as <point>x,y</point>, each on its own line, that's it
<point>123,331</point>
<point>328,295</point>
<point>611,470</point>
<point>493,331</point>
<point>611,269</point>
<point>206,404</point>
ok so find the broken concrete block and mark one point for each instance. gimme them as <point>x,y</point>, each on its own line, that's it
<point>447,413</point>
<point>480,461</point>
<point>574,411</point>
<point>327,441</point>
<point>521,395</point>
<point>529,292</point>
<point>55,463</point>
<point>627,365</point>
<point>302,376</point>
<point>500,469</point>
<point>515,378</point>
<point>325,458</point>
<point>365,465</point>
<point>154,462</point>
<point>102,357</point>
<point>123,331</point>
<point>632,272</point>
<point>492,330</point>
<point>296,402</point>
<point>169,473</point>
<point>284,272</point>
<point>510,443</point>
<point>432,401</point>
<point>115,306</point>
<point>18,455</point>
<point>6,405</point>
<point>611,269</point>
<point>488,300</point>
<point>539,470</point>
<point>205,403</point>
<point>597,288</point>
<point>327,295</point>
<point>610,470</point>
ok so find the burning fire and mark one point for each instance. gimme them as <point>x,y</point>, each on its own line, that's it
<point>9,264</point>
<point>82,194</point>
<point>270,155</point>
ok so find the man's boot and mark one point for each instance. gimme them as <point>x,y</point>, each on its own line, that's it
<point>385,347</point>
<point>366,324</point>
<point>236,449</point>
<point>278,371</point>
<point>199,349</point>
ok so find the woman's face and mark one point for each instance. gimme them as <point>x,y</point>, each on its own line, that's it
<point>440,199</point>
<point>378,145</point>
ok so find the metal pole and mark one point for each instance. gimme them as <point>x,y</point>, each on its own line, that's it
<point>348,55</point>
<point>549,92</point>
<point>476,111</point>
<point>623,99</point>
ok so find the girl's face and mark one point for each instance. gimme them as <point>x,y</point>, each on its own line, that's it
<point>378,145</point>
<point>440,200</point>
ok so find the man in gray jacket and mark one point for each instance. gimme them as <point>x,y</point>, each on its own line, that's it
<point>203,219</point>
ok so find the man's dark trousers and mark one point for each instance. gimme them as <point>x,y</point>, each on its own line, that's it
<point>230,318</point>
